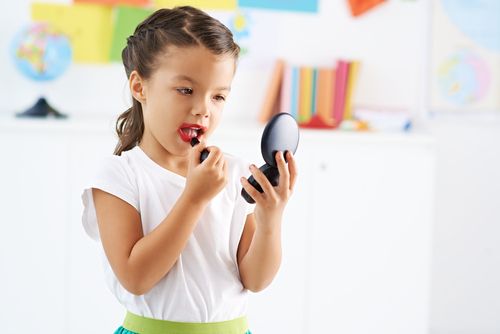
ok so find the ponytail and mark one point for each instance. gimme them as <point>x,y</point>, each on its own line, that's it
<point>130,128</point>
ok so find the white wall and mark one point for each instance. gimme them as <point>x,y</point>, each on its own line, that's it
<point>466,258</point>
<point>391,41</point>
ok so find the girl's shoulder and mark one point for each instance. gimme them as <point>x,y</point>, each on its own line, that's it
<point>116,167</point>
<point>126,160</point>
<point>116,176</point>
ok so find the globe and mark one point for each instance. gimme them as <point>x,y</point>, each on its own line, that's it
<point>464,78</point>
<point>40,52</point>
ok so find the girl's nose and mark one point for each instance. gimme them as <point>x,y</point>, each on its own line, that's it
<point>201,109</point>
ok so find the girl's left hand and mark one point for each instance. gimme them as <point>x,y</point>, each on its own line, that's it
<point>271,203</point>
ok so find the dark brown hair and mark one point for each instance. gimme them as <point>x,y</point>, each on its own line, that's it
<point>180,27</point>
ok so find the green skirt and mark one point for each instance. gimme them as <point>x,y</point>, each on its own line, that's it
<point>134,324</point>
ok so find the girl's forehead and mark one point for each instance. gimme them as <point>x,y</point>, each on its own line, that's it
<point>196,54</point>
<point>196,63</point>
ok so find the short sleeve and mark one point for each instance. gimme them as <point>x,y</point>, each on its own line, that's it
<point>240,169</point>
<point>114,176</point>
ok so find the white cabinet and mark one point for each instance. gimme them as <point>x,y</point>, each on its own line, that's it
<point>370,240</point>
<point>356,237</point>
<point>50,270</point>
<point>356,233</point>
<point>33,239</point>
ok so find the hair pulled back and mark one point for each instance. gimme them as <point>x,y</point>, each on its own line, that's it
<point>180,27</point>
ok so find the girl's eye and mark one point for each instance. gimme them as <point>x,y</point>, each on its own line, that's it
<point>220,98</point>
<point>185,90</point>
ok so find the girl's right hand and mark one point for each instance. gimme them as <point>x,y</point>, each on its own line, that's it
<point>205,180</point>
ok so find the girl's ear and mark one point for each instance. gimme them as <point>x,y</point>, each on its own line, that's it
<point>137,87</point>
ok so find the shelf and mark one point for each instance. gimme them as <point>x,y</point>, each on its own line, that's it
<point>242,129</point>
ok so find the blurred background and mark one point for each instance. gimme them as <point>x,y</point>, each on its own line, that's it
<point>395,224</point>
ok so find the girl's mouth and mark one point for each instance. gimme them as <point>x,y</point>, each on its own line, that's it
<point>190,131</point>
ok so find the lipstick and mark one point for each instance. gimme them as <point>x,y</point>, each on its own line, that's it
<point>204,153</point>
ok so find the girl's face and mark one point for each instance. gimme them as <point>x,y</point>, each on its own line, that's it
<point>183,99</point>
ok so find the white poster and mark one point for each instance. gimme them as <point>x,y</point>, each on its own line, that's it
<point>465,56</point>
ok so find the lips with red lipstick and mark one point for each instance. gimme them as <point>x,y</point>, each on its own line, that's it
<point>189,131</point>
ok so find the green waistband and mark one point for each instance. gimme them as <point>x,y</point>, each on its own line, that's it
<point>143,325</point>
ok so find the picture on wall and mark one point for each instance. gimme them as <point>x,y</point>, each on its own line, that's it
<point>465,56</point>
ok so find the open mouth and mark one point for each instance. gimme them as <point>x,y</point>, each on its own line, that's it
<point>190,131</point>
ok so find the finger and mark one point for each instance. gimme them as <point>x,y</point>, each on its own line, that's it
<point>284,182</point>
<point>261,179</point>
<point>214,155</point>
<point>293,169</point>
<point>225,170</point>
<point>254,193</point>
<point>220,162</point>
<point>220,157</point>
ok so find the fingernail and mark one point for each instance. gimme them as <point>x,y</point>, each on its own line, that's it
<point>290,154</point>
<point>252,167</point>
<point>242,179</point>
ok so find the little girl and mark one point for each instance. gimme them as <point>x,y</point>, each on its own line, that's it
<point>182,247</point>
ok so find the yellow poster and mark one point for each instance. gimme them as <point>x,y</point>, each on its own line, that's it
<point>88,26</point>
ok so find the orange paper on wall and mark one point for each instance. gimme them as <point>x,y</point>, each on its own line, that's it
<point>358,7</point>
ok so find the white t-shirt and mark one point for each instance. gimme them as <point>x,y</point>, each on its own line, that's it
<point>204,284</point>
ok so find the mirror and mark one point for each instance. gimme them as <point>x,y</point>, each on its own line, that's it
<point>280,134</point>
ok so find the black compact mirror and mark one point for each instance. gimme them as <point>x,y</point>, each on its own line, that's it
<point>280,134</point>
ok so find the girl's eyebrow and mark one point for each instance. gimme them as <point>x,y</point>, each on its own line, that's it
<point>185,78</point>
<point>182,77</point>
<point>224,88</point>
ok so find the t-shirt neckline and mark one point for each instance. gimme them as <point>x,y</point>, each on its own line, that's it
<point>171,176</point>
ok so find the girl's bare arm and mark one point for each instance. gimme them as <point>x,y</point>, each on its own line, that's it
<point>259,251</point>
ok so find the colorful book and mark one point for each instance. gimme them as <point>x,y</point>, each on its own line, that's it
<point>325,95</point>
<point>340,89</point>
<point>315,97</point>
<point>294,104</point>
<point>272,98</point>
<point>351,83</point>
<point>305,94</point>
<point>314,91</point>
<point>286,90</point>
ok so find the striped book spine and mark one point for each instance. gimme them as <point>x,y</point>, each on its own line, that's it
<point>325,95</point>
<point>351,84</point>
<point>286,90</point>
<point>294,105</point>
<point>305,94</point>
<point>340,89</point>
<point>314,91</point>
